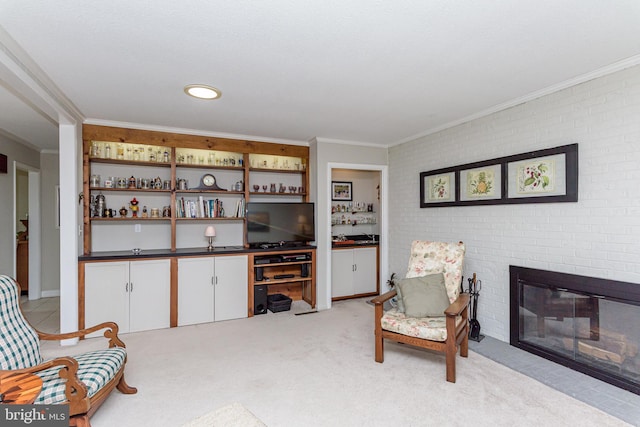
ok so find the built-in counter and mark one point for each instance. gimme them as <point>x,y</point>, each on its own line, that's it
<point>149,289</point>
<point>355,267</point>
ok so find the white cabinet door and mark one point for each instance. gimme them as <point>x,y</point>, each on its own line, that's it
<point>149,294</point>
<point>106,296</point>
<point>212,289</point>
<point>231,287</point>
<point>195,290</point>
<point>341,272</point>
<point>365,270</point>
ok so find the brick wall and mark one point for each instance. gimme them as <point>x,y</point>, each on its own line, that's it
<point>597,236</point>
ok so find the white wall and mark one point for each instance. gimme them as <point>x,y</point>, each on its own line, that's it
<point>322,154</point>
<point>597,236</point>
<point>50,178</point>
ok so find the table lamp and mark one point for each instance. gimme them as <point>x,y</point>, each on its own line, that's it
<point>210,232</point>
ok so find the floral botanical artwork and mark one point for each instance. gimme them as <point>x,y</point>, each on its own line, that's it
<point>536,177</point>
<point>439,187</point>
<point>481,183</point>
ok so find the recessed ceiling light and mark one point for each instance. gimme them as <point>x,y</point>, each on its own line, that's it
<point>202,91</point>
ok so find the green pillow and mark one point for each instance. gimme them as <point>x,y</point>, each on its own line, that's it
<point>399,298</point>
<point>424,296</point>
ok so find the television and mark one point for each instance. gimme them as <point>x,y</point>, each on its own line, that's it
<point>280,224</point>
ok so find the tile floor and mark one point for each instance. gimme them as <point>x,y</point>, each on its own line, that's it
<point>44,315</point>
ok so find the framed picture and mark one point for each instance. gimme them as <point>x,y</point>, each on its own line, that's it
<point>546,176</point>
<point>543,176</point>
<point>437,188</point>
<point>483,183</point>
<point>341,190</point>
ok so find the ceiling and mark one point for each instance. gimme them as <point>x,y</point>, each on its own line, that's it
<point>376,72</point>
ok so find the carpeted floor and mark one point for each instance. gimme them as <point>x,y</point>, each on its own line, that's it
<point>318,370</point>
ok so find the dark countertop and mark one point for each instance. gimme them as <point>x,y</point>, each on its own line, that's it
<point>356,241</point>
<point>166,253</point>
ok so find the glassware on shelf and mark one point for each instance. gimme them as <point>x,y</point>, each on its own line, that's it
<point>95,149</point>
<point>256,187</point>
<point>264,188</point>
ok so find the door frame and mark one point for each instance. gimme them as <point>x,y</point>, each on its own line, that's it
<point>383,245</point>
<point>35,236</point>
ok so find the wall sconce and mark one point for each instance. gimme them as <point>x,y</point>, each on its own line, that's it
<point>210,232</point>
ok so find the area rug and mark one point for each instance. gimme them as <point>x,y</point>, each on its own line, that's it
<point>233,415</point>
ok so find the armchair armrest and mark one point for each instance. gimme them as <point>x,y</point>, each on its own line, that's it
<point>381,299</point>
<point>75,390</point>
<point>111,333</point>
<point>458,306</point>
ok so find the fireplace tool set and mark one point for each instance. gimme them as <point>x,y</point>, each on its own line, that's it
<point>475,286</point>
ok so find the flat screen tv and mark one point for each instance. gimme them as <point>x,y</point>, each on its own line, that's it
<point>280,223</point>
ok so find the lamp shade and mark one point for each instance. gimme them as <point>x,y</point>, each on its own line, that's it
<point>210,231</point>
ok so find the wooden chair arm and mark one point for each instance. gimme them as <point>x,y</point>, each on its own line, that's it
<point>75,390</point>
<point>381,299</point>
<point>458,306</point>
<point>111,333</point>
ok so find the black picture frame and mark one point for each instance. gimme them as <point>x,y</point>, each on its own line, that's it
<point>341,191</point>
<point>542,176</point>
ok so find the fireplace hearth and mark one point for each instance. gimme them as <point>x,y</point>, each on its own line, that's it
<point>588,324</point>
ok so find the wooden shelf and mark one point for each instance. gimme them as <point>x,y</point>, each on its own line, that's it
<point>177,144</point>
<point>129,162</point>
<point>277,170</point>
<point>132,190</point>
<point>296,287</point>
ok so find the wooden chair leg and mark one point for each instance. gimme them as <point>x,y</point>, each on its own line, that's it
<point>379,356</point>
<point>451,364</point>
<point>379,348</point>
<point>80,421</point>
<point>125,388</point>
<point>464,347</point>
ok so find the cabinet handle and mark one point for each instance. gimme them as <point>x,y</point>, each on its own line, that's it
<point>212,280</point>
<point>355,267</point>
<point>131,287</point>
<point>126,287</point>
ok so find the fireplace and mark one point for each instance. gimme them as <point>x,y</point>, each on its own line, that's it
<point>588,324</point>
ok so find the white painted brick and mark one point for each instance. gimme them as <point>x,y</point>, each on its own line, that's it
<point>598,236</point>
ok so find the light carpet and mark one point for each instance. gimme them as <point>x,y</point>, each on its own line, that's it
<point>318,370</point>
<point>234,415</point>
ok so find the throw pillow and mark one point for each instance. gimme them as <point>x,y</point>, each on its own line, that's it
<point>399,298</point>
<point>424,296</point>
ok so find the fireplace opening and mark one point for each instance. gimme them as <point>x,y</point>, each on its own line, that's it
<point>585,323</point>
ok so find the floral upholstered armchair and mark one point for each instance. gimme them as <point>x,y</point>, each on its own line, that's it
<point>431,311</point>
<point>83,382</point>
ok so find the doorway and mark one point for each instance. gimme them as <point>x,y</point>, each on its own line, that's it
<point>367,184</point>
<point>26,212</point>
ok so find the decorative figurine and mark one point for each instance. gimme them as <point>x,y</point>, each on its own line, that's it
<point>123,212</point>
<point>144,212</point>
<point>133,205</point>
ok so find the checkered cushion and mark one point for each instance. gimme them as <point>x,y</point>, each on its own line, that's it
<point>19,343</point>
<point>96,368</point>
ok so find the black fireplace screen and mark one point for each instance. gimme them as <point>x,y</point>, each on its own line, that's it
<point>585,323</point>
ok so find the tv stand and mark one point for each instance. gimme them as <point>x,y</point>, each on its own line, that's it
<point>287,271</point>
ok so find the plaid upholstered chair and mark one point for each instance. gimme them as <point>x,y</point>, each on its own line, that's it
<point>431,312</point>
<point>83,382</point>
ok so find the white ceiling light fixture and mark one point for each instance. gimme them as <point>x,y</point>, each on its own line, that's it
<point>202,91</point>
